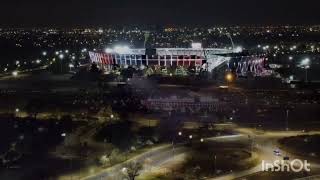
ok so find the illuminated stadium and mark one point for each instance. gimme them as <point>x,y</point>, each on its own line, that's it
<point>198,58</point>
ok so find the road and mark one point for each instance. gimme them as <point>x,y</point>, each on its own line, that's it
<point>151,159</point>
<point>264,144</point>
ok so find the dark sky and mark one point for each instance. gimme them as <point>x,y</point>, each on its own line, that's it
<point>70,13</point>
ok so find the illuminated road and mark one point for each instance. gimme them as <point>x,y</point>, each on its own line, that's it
<point>151,159</point>
<point>264,144</point>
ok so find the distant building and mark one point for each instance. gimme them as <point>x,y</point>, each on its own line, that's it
<point>191,104</point>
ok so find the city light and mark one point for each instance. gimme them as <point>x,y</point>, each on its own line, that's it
<point>196,45</point>
<point>121,49</point>
<point>229,77</point>
<point>238,49</point>
<point>61,56</point>
<point>100,31</point>
<point>291,77</point>
<point>15,73</point>
<point>305,62</point>
<point>266,47</point>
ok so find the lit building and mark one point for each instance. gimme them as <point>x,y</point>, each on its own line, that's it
<point>197,57</point>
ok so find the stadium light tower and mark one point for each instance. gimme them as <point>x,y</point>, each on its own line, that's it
<point>229,36</point>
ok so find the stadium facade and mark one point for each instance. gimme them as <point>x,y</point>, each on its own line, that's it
<point>207,59</point>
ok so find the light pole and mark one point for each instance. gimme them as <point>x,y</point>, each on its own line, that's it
<point>306,68</point>
<point>287,120</point>
<point>305,64</point>
<point>64,135</point>
<point>252,144</point>
<point>215,163</point>
<point>229,78</point>
<point>61,57</point>
<point>173,149</point>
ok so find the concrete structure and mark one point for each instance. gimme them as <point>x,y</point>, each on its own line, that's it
<point>206,59</point>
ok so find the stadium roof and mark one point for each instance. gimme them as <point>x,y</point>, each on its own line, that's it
<point>179,51</point>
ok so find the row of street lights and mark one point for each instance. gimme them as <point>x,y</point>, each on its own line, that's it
<point>190,136</point>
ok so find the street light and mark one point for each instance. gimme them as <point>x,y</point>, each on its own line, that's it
<point>201,140</point>
<point>305,64</point>
<point>180,133</point>
<point>229,77</point>
<point>15,73</point>
<point>190,137</point>
<point>61,56</point>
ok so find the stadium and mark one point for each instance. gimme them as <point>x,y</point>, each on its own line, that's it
<point>180,59</point>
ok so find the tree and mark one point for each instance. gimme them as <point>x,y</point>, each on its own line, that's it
<point>106,113</point>
<point>94,72</point>
<point>34,107</point>
<point>116,156</point>
<point>133,170</point>
<point>94,68</point>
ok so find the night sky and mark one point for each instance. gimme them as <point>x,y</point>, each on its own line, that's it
<point>69,13</point>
